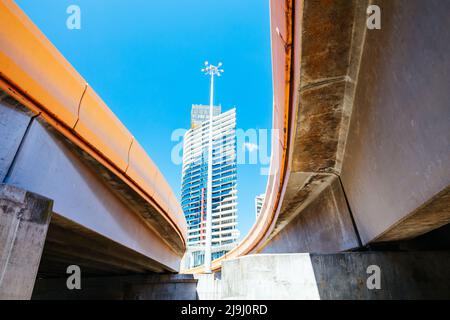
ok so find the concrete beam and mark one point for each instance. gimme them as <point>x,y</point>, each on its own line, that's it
<point>403,275</point>
<point>24,220</point>
<point>328,38</point>
<point>262,276</point>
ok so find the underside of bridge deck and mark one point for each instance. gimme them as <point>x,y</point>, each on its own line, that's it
<point>369,134</point>
<point>96,223</point>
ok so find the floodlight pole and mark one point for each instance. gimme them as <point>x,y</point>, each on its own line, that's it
<point>211,71</point>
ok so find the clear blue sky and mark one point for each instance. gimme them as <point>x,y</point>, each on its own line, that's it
<point>144,58</point>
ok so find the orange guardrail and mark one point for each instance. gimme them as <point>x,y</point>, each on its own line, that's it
<point>37,75</point>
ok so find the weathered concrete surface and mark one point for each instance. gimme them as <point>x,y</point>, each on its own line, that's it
<point>396,171</point>
<point>373,108</point>
<point>328,37</point>
<point>262,276</point>
<point>331,34</point>
<point>13,124</point>
<point>141,287</point>
<point>24,219</point>
<point>149,205</point>
<point>324,224</point>
<point>404,275</point>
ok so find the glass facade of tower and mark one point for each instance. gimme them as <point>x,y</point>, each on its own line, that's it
<point>224,186</point>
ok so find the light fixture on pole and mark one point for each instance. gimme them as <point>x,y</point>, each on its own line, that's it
<point>212,71</point>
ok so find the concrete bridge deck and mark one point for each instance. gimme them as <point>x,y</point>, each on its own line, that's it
<point>112,212</point>
<point>364,118</point>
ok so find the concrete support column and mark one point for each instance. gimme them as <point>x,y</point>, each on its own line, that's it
<point>350,275</point>
<point>24,220</point>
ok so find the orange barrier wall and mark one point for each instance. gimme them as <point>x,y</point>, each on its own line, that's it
<point>35,73</point>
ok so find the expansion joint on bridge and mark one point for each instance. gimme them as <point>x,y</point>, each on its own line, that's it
<point>79,106</point>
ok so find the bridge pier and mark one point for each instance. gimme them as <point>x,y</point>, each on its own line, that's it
<point>24,220</point>
<point>349,275</point>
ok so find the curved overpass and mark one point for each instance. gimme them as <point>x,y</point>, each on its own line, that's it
<point>113,210</point>
<point>359,158</point>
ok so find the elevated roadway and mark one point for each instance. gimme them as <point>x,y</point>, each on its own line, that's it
<point>361,159</point>
<point>112,211</point>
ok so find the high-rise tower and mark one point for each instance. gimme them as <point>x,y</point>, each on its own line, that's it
<point>224,183</point>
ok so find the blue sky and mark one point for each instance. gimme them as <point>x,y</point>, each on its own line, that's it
<point>144,57</point>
